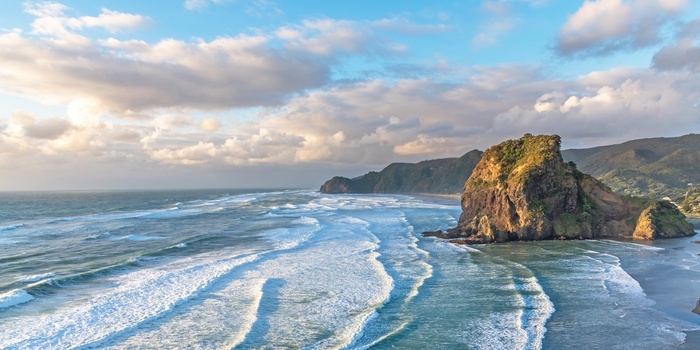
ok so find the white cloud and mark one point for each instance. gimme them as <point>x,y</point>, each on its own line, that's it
<point>642,104</point>
<point>52,20</point>
<point>601,27</point>
<point>194,154</point>
<point>26,133</point>
<point>112,21</point>
<point>128,77</point>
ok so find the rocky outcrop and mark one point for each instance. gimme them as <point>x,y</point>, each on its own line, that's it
<point>523,190</point>
<point>431,176</point>
<point>661,220</point>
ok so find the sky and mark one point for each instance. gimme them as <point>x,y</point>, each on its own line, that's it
<point>286,94</point>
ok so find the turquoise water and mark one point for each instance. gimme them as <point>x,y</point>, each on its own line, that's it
<point>298,269</point>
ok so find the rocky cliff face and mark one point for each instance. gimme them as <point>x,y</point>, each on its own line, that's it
<point>523,190</point>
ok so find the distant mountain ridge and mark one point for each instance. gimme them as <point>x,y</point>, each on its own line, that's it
<point>660,167</point>
<point>440,176</point>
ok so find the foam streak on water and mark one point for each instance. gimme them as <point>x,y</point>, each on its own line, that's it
<point>300,269</point>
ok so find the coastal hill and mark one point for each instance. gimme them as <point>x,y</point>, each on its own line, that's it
<point>445,176</point>
<point>653,167</point>
<point>523,190</point>
<point>657,167</point>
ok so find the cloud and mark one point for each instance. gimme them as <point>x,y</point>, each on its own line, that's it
<point>51,19</point>
<point>499,23</point>
<point>403,26</point>
<point>628,104</point>
<point>49,129</point>
<point>127,77</point>
<point>195,154</point>
<point>210,124</point>
<point>199,4</point>
<point>132,76</point>
<point>684,53</point>
<point>170,99</point>
<point>602,27</point>
<point>26,133</point>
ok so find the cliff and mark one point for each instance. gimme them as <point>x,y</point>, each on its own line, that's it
<point>523,190</point>
<point>431,176</point>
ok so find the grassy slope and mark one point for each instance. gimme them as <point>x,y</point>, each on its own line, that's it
<point>647,167</point>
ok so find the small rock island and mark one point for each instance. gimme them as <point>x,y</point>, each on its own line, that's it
<point>522,190</point>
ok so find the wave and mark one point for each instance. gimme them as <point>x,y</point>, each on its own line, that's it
<point>138,297</point>
<point>37,278</point>
<point>630,245</point>
<point>537,308</point>
<point>288,238</point>
<point>14,297</point>
<point>138,238</point>
<point>618,285</point>
<point>11,227</point>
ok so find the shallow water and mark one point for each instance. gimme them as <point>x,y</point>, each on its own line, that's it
<point>295,269</point>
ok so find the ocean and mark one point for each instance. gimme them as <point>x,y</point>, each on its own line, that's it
<point>247,269</point>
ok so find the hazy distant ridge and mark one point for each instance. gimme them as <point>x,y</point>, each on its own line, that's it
<point>446,175</point>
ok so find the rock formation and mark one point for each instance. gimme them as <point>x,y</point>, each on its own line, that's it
<point>523,190</point>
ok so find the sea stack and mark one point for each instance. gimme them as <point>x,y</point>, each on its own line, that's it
<point>523,190</point>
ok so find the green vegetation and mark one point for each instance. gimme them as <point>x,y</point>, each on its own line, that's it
<point>442,176</point>
<point>691,201</point>
<point>657,167</point>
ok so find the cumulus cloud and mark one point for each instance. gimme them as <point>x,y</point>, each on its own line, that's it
<point>25,133</point>
<point>132,76</point>
<point>638,103</point>
<point>127,77</point>
<point>601,27</point>
<point>169,97</point>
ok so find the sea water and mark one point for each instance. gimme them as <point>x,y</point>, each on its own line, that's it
<point>298,269</point>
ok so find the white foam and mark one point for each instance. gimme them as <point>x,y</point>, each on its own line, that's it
<point>138,238</point>
<point>224,318</point>
<point>333,285</point>
<point>99,235</point>
<point>13,298</point>
<point>537,309</point>
<point>137,297</point>
<point>181,245</point>
<point>616,282</point>
<point>288,238</point>
<point>37,278</point>
<point>630,245</point>
<point>304,220</point>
